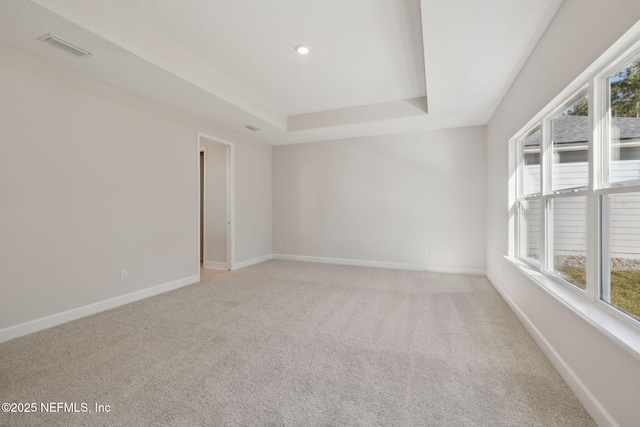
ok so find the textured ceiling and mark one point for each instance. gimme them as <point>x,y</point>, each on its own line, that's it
<point>232,62</point>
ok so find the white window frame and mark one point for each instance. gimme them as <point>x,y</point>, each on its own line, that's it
<point>613,322</point>
<point>520,197</point>
<point>546,194</point>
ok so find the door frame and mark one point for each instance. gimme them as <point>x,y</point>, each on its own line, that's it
<point>202,203</point>
<point>230,198</point>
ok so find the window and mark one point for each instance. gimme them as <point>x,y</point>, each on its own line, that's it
<point>624,131</point>
<point>530,229</point>
<point>621,261</point>
<point>529,205</point>
<point>568,239</point>
<point>620,195</point>
<point>578,189</point>
<point>566,203</point>
<point>569,146</point>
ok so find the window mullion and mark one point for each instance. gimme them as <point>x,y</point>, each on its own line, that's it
<point>546,248</point>
<point>546,242</point>
<point>545,157</point>
<point>597,109</point>
<point>603,291</point>
<point>519,170</point>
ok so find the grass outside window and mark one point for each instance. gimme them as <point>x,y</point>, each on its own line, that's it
<point>625,287</point>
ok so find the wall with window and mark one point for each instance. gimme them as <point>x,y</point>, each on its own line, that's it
<point>602,371</point>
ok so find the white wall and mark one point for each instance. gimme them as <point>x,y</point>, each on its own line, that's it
<point>215,202</point>
<point>580,32</point>
<point>253,203</point>
<point>384,199</point>
<point>94,180</point>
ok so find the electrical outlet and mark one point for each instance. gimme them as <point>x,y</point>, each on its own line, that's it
<point>424,251</point>
<point>279,242</point>
<point>124,274</point>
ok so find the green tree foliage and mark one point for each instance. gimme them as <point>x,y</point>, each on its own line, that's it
<point>625,95</point>
<point>580,108</point>
<point>625,92</point>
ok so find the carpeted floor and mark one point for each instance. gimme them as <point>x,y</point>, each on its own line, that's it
<point>295,344</point>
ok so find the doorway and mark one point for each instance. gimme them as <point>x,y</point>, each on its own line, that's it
<point>202,202</point>
<point>215,195</point>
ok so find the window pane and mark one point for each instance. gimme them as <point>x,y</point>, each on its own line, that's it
<point>570,136</point>
<point>624,147</point>
<point>569,239</point>
<point>623,245</point>
<point>530,229</point>
<point>531,163</point>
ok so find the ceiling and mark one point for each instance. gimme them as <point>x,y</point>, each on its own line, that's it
<point>375,67</point>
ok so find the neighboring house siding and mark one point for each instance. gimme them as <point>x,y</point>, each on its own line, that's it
<point>570,226</point>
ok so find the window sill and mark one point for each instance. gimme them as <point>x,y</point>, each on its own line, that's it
<point>625,336</point>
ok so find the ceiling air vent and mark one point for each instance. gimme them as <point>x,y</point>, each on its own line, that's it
<point>63,44</point>
<point>253,128</point>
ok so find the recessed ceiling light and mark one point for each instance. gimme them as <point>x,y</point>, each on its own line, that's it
<point>303,49</point>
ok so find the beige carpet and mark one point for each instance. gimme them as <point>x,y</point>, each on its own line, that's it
<point>295,344</point>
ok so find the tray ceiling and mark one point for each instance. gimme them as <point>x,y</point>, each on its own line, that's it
<point>375,67</point>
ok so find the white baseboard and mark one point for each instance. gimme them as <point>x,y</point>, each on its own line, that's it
<point>215,265</point>
<point>380,264</point>
<point>252,261</point>
<point>66,316</point>
<point>593,406</point>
